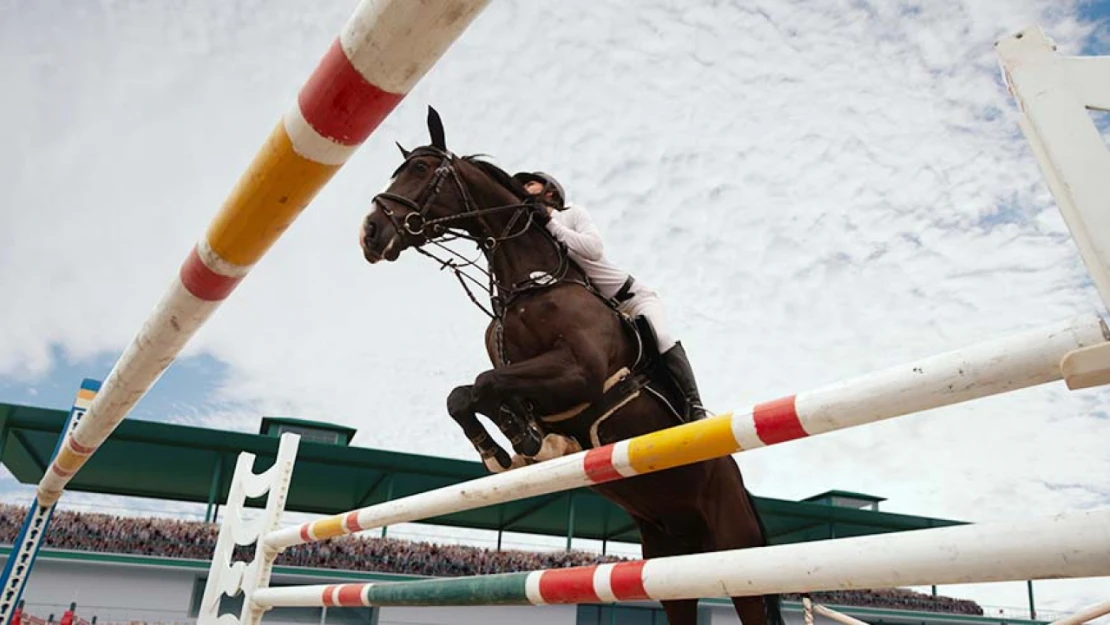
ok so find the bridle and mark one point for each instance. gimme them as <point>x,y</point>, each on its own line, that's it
<point>440,230</point>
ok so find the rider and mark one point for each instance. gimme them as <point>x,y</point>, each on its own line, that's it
<point>571,225</point>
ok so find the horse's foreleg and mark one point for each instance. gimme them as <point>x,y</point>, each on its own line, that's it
<point>461,408</point>
<point>555,380</point>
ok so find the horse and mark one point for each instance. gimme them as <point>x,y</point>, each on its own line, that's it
<point>560,355</point>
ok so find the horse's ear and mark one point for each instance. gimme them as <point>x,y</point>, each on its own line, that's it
<point>435,129</point>
<point>404,152</point>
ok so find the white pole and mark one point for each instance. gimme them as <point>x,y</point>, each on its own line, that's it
<point>844,619</point>
<point>1085,615</point>
<point>1054,547</point>
<point>997,366</point>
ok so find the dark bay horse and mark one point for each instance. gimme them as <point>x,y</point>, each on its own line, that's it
<point>556,346</point>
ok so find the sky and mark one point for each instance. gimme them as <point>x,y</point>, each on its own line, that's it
<point>817,189</point>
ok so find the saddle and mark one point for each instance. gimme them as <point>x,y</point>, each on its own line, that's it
<point>646,374</point>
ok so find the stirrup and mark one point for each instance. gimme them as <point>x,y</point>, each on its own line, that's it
<point>695,409</point>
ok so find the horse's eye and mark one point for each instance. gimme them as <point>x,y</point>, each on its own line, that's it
<point>420,168</point>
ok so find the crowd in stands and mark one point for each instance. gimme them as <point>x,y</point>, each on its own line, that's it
<point>175,538</point>
<point>893,599</point>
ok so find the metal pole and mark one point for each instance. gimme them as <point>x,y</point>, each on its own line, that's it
<point>605,530</point>
<point>1032,604</point>
<point>570,520</point>
<point>217,475</point>
<point>388,497</point>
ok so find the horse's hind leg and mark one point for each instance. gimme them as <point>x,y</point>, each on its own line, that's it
<point>655,543</point>
<point>751,610</point>
<point>461,408</point>
<point>736,525</point>
<point>682,612</point>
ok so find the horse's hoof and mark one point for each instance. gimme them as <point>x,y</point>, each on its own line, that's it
<point>495,466</point>
<point>555,446</point>
<point>498,461</point>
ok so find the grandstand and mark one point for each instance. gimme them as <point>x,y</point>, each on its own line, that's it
<point>127,567</point>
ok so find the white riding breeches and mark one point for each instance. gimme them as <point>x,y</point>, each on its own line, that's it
<point>646,302</point>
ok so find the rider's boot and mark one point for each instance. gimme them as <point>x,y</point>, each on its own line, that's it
<point>678,365</point>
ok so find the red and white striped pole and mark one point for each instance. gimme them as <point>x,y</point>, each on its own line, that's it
<point>383,50</point>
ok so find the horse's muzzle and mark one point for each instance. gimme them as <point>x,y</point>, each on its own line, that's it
<point>367,235</point>
<point>379,241</point>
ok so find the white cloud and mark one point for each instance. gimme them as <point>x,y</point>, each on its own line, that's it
<point>817,189</point>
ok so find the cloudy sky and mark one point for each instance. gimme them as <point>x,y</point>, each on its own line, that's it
<point>817,189</point>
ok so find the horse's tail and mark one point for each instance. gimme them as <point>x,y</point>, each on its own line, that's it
<point>772,604</point>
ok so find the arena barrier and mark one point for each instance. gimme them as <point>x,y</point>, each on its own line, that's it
<point>970,553</point>
<point>382,51</point>
<point>1068,546</point>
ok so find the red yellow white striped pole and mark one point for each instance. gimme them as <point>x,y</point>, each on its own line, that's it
<point>1001,365</point>
<point>383,50</point>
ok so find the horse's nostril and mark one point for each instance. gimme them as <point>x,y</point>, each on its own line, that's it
<point>370,229</point>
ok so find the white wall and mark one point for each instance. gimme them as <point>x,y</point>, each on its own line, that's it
<point>162,594</point>
<point>724,614</point>
<point>516,615</point>
<point>111,592</point>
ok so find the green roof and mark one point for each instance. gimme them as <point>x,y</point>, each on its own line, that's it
<point>847,494</point>
<point>180,463</point>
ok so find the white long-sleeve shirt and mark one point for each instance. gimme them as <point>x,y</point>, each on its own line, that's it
<point>574,228</point>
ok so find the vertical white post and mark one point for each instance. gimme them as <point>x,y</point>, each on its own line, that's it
<point>229,578</point>
<point>1054,94</point>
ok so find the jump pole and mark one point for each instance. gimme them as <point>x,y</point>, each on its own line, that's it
<point>1002,365</point>
<point>382,51</point>
<point>1065,546</point>
<point>1089,613</point>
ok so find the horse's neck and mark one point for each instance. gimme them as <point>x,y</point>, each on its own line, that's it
<point>515,260</point>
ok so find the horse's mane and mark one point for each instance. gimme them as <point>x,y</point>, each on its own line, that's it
<point>499,175</point>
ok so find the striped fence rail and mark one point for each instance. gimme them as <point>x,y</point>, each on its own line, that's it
<point>1066,546</point>
<point>1001,365</point>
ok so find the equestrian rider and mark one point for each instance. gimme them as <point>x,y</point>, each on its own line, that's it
<point>571,225</point>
